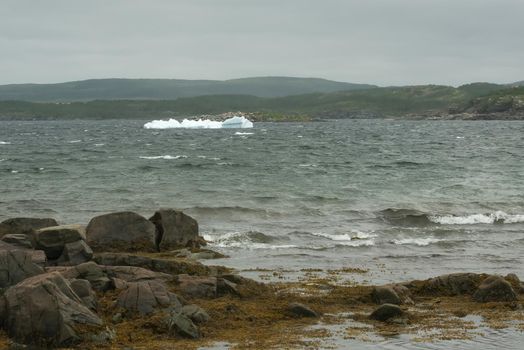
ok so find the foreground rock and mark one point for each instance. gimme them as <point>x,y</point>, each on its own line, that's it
<point>84,291</point>
<point>301,310</point>
<point>145,296</point>
<point>75,253</point>
<point>122,231</point>
<point>195,313</point>
<point>52,239</point>
<point>19,240</point>
<point>172,266</point>
<point>494,288</point>
<point>385,312</point>
<point>25,226</point>
<point>385,295</point>
<point>43,310</point>
<point>175,229</point>
<point>104,278</point>
<point>205,286</point>
<point>37,256</point>
<point>180,324</point>
<point>16,266</point>
<point>452,284</point>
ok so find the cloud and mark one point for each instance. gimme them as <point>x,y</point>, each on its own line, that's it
<point>387,42</point>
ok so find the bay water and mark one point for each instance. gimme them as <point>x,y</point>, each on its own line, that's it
<point>402,199</point>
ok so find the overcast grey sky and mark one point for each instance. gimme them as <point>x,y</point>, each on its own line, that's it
<point>385,42</point>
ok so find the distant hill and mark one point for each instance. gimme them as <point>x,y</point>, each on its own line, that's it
<point>170,89</point>
<point>517,83</point>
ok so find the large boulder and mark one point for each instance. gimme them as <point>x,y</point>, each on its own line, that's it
<point>175,229</point>
<point>16,266</point>
<point>52,240</point>
<point>44,310</point>
<point>24,226</point>
<point>145,296</point>
<point>494,288</point>
<point>123,231</point>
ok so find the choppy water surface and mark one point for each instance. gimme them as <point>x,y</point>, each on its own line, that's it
<point>405,199</point>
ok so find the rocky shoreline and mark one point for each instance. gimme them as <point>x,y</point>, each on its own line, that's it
<point>125,281</point>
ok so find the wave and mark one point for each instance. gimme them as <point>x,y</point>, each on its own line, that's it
<point>357,235</point>
<point>353,239</point>
<point>167,157</point>
<point>5,143</point>
<point>407,163</point>
<point>228,211</point>
<point>421,242</point>
<point>249,240</point>
<point>498,217</point>
<point>411,217</point>
<point>405,217</point>
<point>236,122</point>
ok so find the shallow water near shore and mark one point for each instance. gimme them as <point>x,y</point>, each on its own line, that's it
<point>401,199</point>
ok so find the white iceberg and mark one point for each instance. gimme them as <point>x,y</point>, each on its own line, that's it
<point>231,123</point>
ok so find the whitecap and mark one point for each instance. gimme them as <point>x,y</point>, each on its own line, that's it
<point>421,242</point>
<point>168,157</point>
<point>357,235</point>
<point>99,144</point>
<point>5,143</point>
<point>244,133</point>
<point>246,240</point>
<point>234,122</point>
<point>490,218</point>
<point>358,243</point>
<point>74,141</point>
<point>14,171</point>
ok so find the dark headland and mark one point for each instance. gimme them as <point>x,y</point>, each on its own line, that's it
<point>270,98</point>
<point>127,282</point>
